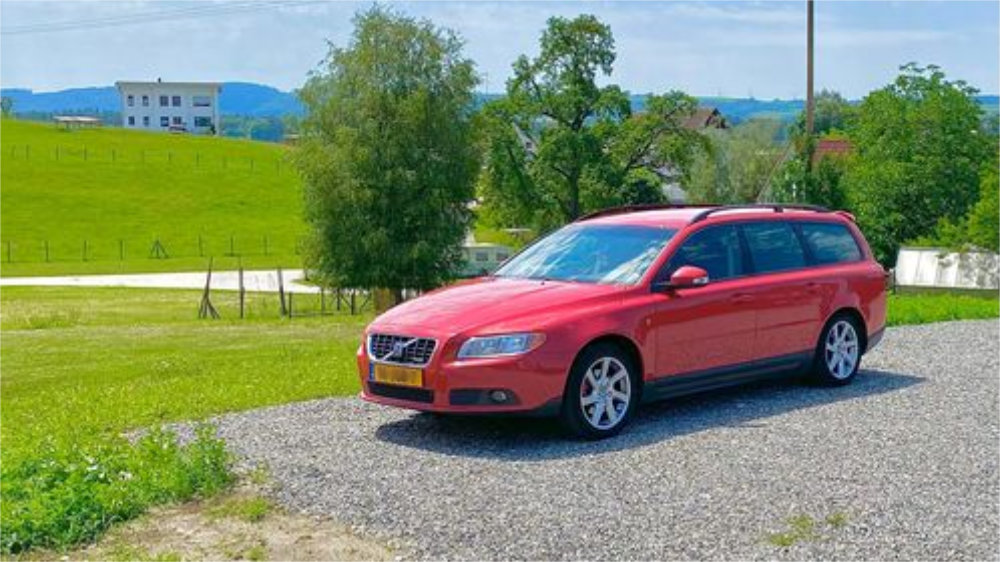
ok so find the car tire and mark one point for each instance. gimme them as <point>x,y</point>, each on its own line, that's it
<point>602,392</point>
<point>838,352</point>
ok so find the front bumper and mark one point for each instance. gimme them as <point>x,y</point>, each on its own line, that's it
<point>528,384</point>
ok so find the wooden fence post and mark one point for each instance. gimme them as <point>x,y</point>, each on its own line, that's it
<point>353,293</point>
<point>207,309</point>
<point>243,293</point>
<point>281,293</point>
<point>322,300</point>
<point>291,307</point>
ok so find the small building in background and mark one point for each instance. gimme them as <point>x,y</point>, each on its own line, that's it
<point>78,121</point>
<point>831,147</point>
<point>177,107</point>
<point>482,258</point>
<point>937,268</point>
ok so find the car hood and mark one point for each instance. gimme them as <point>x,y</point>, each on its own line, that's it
<point>489,301</point>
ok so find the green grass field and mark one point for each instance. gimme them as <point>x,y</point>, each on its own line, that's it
<point>83,366</point>
<point>79,362</point>
<point>118,191</point>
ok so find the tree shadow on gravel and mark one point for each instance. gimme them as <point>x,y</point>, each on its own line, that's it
<point>533,439</point>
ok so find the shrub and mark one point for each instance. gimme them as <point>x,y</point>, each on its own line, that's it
<point>66,494</point>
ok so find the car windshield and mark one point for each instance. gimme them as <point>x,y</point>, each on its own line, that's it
<point>611,254</point>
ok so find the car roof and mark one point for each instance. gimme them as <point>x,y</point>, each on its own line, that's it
<point>680,217</point>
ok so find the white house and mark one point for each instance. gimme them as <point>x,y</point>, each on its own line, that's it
<point>171,106</point>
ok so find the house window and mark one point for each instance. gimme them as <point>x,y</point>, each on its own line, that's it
<point>482,256</point>
<point>178,121</point>
<point>176,101</point>
<point>202,121</point>
<point>130,100</point>
<point>164,121</point>
<point>145,121</point>
<point>201,101</point>
<point>145,101</point>
<point>131,120</point>
<point>164,101</point>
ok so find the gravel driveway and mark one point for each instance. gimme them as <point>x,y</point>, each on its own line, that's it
<point>903,464</point>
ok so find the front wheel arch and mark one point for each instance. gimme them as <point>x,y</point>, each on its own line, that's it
<point>571,406</point>
<point>623,342</point>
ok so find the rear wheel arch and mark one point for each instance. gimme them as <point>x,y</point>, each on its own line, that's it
<point>859,321</point>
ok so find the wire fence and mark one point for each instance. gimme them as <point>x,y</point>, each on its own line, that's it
<point>155,248</point>
<point>254,295</point>
<point>117,155</point>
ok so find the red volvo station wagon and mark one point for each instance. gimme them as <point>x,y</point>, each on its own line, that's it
<point>636,304</point>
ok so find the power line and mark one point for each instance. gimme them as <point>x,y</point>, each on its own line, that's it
<point>151,17</point>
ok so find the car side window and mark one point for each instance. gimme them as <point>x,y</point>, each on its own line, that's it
<point>830,243</point>
<point>774,246</point>
<point>715,249</point>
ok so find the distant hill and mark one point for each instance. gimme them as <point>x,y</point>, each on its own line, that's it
<point>258,100</point>
<point>237,98</point>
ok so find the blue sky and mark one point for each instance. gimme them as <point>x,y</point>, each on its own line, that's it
<point>702,47</point>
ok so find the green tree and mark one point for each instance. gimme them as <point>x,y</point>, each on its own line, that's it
<point>832,112</point>
<point>558,145</point>
<point>7,105</point>
<point>919,149</point>
<point>387,156</point>
<point>739,165</point>
<point>819,183</point>
<point>981,228</point>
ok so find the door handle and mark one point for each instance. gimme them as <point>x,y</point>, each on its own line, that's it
<point>739,298</point>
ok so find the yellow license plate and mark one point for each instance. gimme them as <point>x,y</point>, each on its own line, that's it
<point>402,376</point>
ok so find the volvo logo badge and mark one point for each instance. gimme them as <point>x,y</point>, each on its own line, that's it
<point>398,349</point>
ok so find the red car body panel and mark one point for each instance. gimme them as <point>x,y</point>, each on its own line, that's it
<point>725,323</point>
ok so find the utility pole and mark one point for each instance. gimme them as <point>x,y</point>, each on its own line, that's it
<point>809,70</point>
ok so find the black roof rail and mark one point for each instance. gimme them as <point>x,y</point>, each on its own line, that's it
<point>776,207</point>
<point>640,207</point>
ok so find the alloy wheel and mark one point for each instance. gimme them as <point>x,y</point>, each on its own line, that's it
<point>841,349</point>
<point>605,393</point>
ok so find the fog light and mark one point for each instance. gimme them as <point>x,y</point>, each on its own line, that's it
<point>498,396</point>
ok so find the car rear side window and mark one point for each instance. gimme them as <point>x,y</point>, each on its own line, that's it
<point>830,243</point>
<point>774,246</point>
<point>715,249</point>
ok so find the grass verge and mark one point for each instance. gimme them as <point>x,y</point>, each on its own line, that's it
<point>923,308</point>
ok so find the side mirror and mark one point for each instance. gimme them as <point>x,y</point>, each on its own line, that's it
<point>688,276</point>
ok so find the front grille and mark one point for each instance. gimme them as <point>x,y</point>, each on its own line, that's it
<point>401,392</point>
<point>408,350</point>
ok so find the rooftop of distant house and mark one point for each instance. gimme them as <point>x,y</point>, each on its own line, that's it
<point>706,118</point>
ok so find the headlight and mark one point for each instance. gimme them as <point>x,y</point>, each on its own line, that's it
<point>499,346</point>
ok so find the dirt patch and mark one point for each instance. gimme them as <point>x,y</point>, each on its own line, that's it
<point>241,525</point>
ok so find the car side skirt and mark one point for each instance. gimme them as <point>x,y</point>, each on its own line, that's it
<point>730,375</point>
